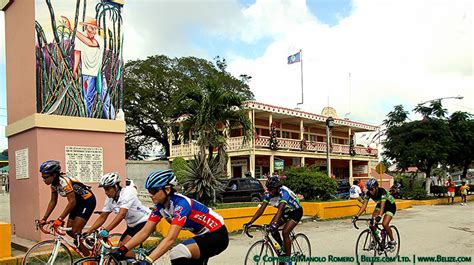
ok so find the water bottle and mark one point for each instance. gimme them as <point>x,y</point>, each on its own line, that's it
<point>377,234</point>
<point>277,247</point>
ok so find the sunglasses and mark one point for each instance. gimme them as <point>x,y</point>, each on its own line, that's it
<point>46,176</point>
<point>153,191</point>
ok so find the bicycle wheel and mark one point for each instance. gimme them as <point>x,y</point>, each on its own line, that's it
<point>396,237</point>
<point>42,253</point>
<point>108,260</point>
<point>259,252</point>
<point>301,247</point>
<point>365,247</point>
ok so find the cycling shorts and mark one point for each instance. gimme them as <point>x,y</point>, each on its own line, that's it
<point>213,243</point>
<point>294,215</point>
<point>390,208</point>
<point>83,208</point>
<point>131,231</point>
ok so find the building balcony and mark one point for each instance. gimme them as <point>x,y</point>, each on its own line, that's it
<point>235,144</point>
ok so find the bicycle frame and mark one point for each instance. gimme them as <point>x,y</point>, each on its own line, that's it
<point>266,235</point>
<point>379,240</point>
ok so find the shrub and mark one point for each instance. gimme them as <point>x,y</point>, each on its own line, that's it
<point>310,182</point>
<point>438,190</point>
<point>203,178</point>
<point>179,166</point>
<point>417,193</point>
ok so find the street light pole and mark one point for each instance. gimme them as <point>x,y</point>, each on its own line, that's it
<point>329,125</point>
<point>439,99</point>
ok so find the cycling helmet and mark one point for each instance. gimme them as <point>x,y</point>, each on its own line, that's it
<point>50,166</point>
<point>273,182</point>
<point>109,180</point>
<point>372,183</point>
<point>161,179</point>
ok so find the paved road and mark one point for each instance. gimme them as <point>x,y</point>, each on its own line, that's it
<point>425,231</point>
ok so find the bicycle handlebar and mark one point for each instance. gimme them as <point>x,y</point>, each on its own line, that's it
<point>246,229</point>
<point>371,220</point>
<point>53,230</point>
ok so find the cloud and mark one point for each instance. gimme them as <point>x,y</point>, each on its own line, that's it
<point>398,52</point>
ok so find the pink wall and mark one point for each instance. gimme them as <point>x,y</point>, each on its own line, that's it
<point>20,59</point>
<point>30,197</point>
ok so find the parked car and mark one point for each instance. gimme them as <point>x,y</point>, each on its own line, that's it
<point>241,190</point>
<point>343,188</point>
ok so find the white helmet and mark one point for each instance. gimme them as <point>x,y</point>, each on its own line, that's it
<point>109,180</point>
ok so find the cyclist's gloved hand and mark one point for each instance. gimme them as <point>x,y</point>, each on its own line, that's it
<point>355,218</point>
<point>42,222</point>
<point>103,233</point>
<point>119,253</point>
<point>247,225</point>
<point>57,223</point>
<point>378,218</point>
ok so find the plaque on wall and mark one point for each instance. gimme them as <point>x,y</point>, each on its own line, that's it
<point>21,163</point>
<point>84,163</point>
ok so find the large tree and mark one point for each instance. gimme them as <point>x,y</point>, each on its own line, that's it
<point>461,153</point>
<point>151,90</point>
<point>424,143</point>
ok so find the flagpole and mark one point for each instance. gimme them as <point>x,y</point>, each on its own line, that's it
<point>301,61</point>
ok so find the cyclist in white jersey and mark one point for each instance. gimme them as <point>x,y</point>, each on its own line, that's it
<point>125,205</point>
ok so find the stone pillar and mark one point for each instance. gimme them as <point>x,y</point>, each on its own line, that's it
<point>36,135</point>
<point>272,164</point>
<point>229,167</point>
<point>351,173</point>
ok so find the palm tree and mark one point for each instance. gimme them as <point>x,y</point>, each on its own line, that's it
<point>211,112</point>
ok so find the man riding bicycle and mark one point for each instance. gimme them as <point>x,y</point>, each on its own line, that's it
<point>385,207</point>
<point>182,213</point>
<point>81,200</point>
<point>125,204</point>
<point>289,212</point>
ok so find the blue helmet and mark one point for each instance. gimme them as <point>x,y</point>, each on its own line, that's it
<point>372,183</point>
<point>161,179</point>
<point>50,166</point>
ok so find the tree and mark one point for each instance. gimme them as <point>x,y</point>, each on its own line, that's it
<point>461,154</point>
<point>423,143</point>
<point>151,87</point>
<point>210,112</point>
<point>4,152</point>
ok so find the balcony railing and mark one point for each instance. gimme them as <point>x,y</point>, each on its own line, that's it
<point>263,142</point>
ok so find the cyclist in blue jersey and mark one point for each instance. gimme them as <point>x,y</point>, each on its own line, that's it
<point>182,213</point>
<point>288,215</point>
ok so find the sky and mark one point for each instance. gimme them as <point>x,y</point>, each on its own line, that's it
<point>361,57</point>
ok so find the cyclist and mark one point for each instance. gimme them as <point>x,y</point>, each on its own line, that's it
<point>182,213</point>
<point>81,200</point>
<point>289,212</point>
<point>125,205</point>
<point>385,207</point>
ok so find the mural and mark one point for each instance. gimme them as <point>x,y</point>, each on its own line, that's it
<point>79,62</point>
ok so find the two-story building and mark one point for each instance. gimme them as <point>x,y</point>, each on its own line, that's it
<point>301,141</point>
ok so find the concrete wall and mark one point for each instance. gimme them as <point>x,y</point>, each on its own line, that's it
<point>138,170</point>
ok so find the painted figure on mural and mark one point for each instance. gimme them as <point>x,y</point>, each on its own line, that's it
<point>88,51</point>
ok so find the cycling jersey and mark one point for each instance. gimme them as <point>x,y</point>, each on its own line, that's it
<point>380,196</point>
<point>188,213</point>
<point>137,213</point>
<point>67,184</point>
<point>284,195</point>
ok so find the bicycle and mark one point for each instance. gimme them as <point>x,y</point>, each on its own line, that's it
<point>263,251</point>
<point>57,250</point>
<point>369,243</point>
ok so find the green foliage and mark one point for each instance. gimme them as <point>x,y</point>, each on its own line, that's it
<point>417,193</point>
<point>310,182</point>
<point>438,190</point>
<point>179,166</point>
<point>154,88</point>
<point>423,143</point>
<point>203,178</point>
<point>461,153</point>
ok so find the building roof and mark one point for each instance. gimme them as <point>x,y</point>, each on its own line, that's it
<point>376,175</point>
<point>310,116</point>
<point>3,158</point>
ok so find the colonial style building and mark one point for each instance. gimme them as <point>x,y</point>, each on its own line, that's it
<point>286,138</point>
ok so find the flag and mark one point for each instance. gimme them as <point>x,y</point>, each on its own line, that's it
<point>295,58</point>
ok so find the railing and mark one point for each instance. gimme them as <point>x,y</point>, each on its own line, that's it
<point>263,142</point>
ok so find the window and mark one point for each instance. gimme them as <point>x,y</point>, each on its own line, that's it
<point>285,135</point>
